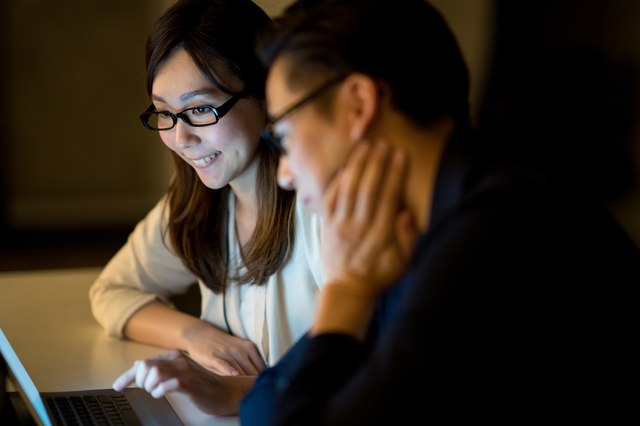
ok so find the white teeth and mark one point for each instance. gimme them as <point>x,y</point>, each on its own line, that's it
<point>205,160</point>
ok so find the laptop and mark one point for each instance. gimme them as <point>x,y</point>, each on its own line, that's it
<point>133,406</point>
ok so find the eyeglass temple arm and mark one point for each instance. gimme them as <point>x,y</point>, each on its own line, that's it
<point>222,110</point>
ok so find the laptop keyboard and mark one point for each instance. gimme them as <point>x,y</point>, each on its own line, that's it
<point>107,410</point>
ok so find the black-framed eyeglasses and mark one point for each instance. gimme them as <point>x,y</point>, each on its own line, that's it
<point>268,132</point>
<point>197,117</point>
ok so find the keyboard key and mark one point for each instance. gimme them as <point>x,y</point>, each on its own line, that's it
<point>101,410</point>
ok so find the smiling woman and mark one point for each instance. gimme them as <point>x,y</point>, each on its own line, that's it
<point>224,221</point>
<point>221,148</point>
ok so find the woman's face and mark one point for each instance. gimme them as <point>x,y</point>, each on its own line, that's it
<point>222,153</point>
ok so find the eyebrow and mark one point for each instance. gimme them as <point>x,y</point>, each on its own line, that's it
<point>189,95</point>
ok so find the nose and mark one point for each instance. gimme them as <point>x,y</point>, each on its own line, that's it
<point>185,135</point>
<point>285,177</point>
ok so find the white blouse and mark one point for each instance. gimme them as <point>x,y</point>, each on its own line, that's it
<point>273,316</point>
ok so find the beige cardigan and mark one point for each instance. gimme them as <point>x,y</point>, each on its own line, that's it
<point>145,270</point>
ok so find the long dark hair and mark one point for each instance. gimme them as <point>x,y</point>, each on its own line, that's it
<point>219,36</point>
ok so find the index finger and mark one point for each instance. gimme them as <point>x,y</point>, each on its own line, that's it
<point>257,360</point>
<point>371,182</point>
<point>391,193</point>
<point>249,359</point>
<point>350,181</point>
<point>125,379</point>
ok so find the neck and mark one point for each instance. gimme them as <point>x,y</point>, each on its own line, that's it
<point>246,202</point>
<point>246,207</point>
<point>424,147</point>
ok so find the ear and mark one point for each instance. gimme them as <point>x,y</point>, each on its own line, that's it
<point>363,99</point>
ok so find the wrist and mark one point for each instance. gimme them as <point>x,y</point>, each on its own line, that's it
<point>233,389</point>
<point>344,309</point>
<point>191,329</point>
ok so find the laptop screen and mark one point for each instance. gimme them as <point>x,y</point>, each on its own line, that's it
<point>24,381</point>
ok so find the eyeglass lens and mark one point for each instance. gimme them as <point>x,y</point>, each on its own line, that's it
<point>200,116</point>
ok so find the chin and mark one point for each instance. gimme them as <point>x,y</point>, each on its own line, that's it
<point>214,177</point>
<point>212,183</point>
<point>214,186</point>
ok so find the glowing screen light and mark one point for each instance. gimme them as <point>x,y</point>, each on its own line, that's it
<point>23,379</point>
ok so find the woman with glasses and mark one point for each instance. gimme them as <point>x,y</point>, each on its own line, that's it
<point>224,221</point>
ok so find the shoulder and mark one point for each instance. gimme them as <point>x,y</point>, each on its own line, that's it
<point>519,226</point>
<point>152,229</point>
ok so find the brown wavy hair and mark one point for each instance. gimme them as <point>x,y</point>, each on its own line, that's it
<point>219,36</point>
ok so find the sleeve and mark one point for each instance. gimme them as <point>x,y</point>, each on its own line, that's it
<point>144,270</point>
<point>258,406</point>
<point>338,382</point>
<point>327,364</point>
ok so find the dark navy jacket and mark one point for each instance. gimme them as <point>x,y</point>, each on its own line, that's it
<point>518,305</point>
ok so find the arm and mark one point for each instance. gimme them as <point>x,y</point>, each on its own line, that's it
<point>127,300</point>
<point>159,325</point>
<point>143,271</point>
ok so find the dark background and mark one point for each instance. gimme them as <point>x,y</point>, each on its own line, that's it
<point>554,83</point>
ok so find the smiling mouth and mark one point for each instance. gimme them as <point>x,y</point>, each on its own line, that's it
<point>203,161</point>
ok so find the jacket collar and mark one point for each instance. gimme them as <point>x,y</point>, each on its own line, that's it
<point>453,172</point>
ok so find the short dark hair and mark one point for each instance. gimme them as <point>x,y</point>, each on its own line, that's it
<point>405,43</point>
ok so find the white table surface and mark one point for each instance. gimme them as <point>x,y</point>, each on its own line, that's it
<point>47,318</point>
